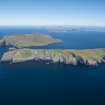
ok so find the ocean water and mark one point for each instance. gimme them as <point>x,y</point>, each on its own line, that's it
<point>33,83</point>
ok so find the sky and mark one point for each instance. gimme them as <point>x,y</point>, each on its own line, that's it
<point>52,12</point>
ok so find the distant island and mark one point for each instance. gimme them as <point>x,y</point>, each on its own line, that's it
<point>73,57</point>
<point>68,28</point>
<point>27,40</point>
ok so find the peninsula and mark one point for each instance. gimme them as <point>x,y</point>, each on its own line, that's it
<point>65,56</point>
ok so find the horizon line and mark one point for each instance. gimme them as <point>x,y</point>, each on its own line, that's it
<point>57,25</point>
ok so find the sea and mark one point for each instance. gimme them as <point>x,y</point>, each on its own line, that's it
<point>33,83</point>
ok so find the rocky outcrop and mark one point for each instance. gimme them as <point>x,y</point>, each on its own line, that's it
<point>73,57</point>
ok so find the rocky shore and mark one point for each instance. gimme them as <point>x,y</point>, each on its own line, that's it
<point>74,57</point>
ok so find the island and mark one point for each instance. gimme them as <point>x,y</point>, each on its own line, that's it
<point>62,56</point>
<point>27,40</point>
<point>20,50</point>
<point>63,29</point>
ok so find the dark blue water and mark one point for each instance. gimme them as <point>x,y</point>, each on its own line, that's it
<point>33,83</point>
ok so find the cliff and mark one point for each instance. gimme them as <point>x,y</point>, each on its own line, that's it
<point>74,57</point>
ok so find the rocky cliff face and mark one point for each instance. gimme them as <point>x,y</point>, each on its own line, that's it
<point>74,57</point>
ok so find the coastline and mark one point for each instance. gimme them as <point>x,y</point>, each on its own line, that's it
<point>90,57</point>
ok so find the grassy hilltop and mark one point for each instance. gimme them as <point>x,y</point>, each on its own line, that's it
<point>28,40</point>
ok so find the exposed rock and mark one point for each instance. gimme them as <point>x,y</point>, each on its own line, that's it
<point>74,57</point>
